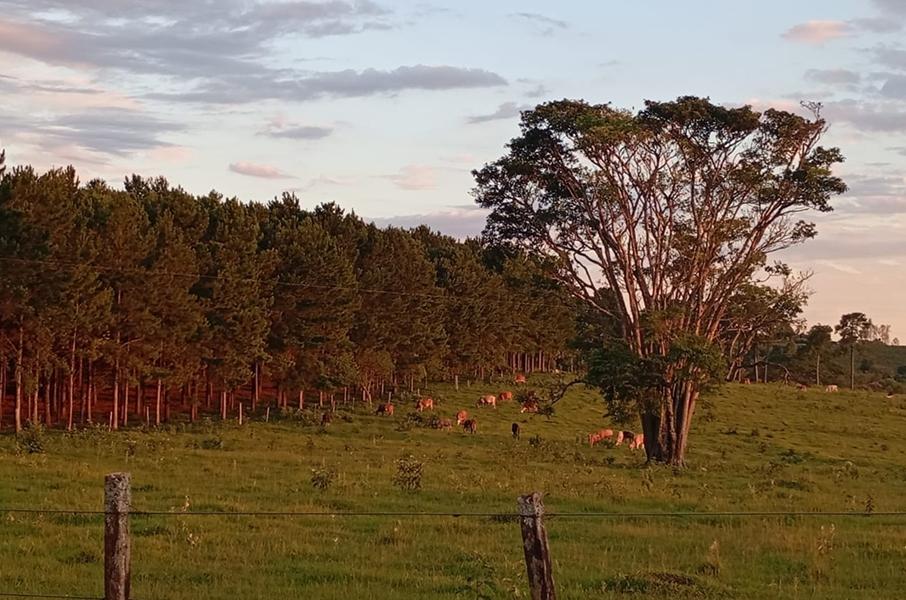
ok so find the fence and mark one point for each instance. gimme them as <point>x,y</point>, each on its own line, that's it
<point>531,515</point>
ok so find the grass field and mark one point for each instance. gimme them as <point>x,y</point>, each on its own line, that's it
<point>754,448</point>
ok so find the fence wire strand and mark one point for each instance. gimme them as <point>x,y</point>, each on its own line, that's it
<point>462,514</point>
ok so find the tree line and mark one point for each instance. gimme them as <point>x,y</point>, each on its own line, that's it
<point>125,305</point>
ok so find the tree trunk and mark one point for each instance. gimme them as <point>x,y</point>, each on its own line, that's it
<point>71,391</point>
<point>157,403</point>
<point>19,356</point>
<point>818,370</point>
<point>667,431</point>
<point>852,367</point>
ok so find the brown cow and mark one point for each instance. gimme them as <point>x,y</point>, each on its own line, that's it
<point>424,404</point>
<point>516,431</point>
<point>470,425</point>
<point>326,418</point>
<point>599,436</point>
<point>624,436</point>
<point>487,400</point>
<point>529,406</point>
<point>461,416</point>
<point>505,397</point>
<point>444,424</point>
<point>385,409</point>
<point>519,379</point>
<point>801,387</point>
<point>637,442</point>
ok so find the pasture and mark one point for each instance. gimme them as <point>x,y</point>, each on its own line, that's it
<point>753,448</point>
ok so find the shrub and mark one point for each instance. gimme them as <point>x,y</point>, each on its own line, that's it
<point>322,478</point>
<point>31,439</point>
<point>408,474</point>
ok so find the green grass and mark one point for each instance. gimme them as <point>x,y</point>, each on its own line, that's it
<point>754,448</point>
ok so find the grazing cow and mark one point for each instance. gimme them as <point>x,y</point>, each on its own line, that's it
<point>529,406</point>
<point>461,417</point>
<point>637,442</point>
<point>385,409</point>
<point>830,389</point>
<point>515,429</point>
<point>470,425</point>
<point>747,381</point>
<point>488,400</point>
<point>519,379</point>
<point>801,387</point>
<point>424,404</point>
<point>444,424</point>
<point>889,395</point>
<point>326,418</point>
<point>505,397</point>
<point>624,436</point>
<point>599,436</point>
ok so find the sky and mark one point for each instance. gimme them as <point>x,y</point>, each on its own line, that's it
<point>386,106</point>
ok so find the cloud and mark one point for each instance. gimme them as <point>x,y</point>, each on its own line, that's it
<point>457,221</point>
<point>895,7</point>
<point>507,110</point>
<point>258,170</point>
<point>539,91</point>
<point>415,177</point>
<point>110,132</point>
<point>546,24</point>
<point>337,84</point>
<point>280,127</point>
<point>834,77</point>
<point>817,32</point>
<point>884,117</point>
<point>217,52</point>
<point>878,25</point>
<point>839,266</point>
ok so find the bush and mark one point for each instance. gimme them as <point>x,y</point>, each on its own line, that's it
<point>31,439</point>
<point>322,478</point>
<point>408,474</point>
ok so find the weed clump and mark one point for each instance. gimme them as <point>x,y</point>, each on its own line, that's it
<point>31,439</point>
<point>322,478</point>
<point>408,475</point>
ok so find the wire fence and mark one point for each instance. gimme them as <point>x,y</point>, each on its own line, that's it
<point>117,530</point>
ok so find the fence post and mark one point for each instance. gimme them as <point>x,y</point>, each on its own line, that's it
<point>117,543</point>
<point>534,543</point>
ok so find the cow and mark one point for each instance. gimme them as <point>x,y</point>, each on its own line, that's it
<point>801,387</point>
<point>889,395</point>
<point>443,424</point>
<point>599,436</point>
<point>470,425</point>
<point>830,389</point>
<point>385,409</point>
<point>529,406</point>
<point>747,381</point>
<point>326,418</point>
<point>461,417</point>
<point>488,400</point>
<point>505,397</point>
<point>424,404</point>
<point>519,379</point>
<point>515,429</point>
<point>624,436</point>
<point>637,442</point>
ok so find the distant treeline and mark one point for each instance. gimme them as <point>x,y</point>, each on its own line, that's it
<point>150,299</point>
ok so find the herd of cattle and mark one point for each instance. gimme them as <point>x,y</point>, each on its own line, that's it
<point>529,405</point>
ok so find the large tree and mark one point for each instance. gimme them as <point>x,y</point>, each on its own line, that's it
<point>656,220</point>
<point>853,328</point>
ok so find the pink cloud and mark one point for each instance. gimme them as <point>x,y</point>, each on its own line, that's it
<point>26,40</point>
<point>258,170</point>
<point>817,32</point>
<point>174,154</point>
<point>415,177</point>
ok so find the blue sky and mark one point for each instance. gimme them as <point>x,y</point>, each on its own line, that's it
<point>385,107</point>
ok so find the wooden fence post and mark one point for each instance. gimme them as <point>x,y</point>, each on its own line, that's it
<point>534,543</point>
<point>117,543</point>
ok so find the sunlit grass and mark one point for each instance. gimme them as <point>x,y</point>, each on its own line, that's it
<point>755,448</point>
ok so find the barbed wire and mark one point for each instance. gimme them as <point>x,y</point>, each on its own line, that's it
<point>463,514</point>
<point>61,596</point>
